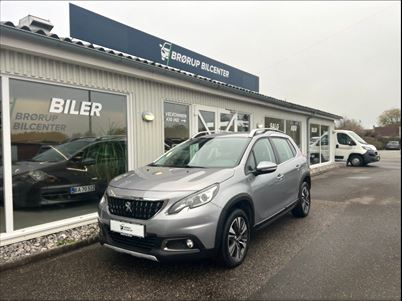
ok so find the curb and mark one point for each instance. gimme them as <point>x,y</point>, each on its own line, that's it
<point>48,253</point>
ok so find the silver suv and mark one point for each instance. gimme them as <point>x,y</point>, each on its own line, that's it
<point>205,196</point>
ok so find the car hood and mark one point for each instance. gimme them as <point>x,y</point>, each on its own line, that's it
<point>26,166</point>
<point>371,146</point>
<point>171,179</point>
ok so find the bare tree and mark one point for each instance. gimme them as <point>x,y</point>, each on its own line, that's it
<point>350,124</point>
<point>390,117</point>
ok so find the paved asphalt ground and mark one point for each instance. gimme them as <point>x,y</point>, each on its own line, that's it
<point>349,247</point>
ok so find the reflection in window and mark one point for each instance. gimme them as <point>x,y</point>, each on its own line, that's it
<point>176,124</point>
<point>315,143</point>
<point>275,123</point>
<point>243,122</point>
<point>325,144</point>
<point>206,121</point>
<point>67,144</point>
<point>2,213</point>
<point>226,122</point>
<point>320,144</point>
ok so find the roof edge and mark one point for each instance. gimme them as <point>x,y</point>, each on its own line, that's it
<point>178,72</point>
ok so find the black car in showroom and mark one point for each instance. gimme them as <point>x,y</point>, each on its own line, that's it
<point>78,170</point>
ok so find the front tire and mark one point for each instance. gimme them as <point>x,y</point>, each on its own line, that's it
<point>356,160</point>
<point>235,239</point>
<point>303,207</point>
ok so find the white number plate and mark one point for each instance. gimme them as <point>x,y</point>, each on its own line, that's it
<point>82,189</point>
<point>127,228</point>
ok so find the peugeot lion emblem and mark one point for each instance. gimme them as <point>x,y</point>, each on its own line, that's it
<point>128,207</point>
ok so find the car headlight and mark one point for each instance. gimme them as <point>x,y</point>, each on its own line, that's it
<point>38,175</point>
<point>367,148</point>
<point>103,199</point>
<point>195,200</point>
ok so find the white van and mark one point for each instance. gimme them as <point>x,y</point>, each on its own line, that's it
<point>351,148</point>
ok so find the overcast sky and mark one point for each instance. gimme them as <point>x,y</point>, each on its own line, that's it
<point>341,57</point>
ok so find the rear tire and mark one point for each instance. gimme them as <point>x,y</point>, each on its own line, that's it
<point>235,239</point>
<point>356,160</point>
<point>303,207</point>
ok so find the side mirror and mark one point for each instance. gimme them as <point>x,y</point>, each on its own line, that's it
<point>351,143</point>
<point>266,167</point>
<point>88,161</point>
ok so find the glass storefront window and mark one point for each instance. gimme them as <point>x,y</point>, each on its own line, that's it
<point>320,144</point>
<point>275,123</point>
<point>315,144</point>
<point>67,144</point>
<point>325,144</point>
<point>206,121</point>
<point>293,129</point>
<point>225,121</point>
<point>2,213</point>
<point>176,124</point>
<point>243,122</point>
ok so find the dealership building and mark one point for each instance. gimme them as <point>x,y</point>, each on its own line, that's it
<point>75,114</point>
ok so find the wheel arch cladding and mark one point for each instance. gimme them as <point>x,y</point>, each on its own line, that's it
<point>306,178</point>
<point>241,201</point>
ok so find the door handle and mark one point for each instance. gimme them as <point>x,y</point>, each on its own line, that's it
<point>298,166</point>
<point>279,177</point>
<point>337,146</point>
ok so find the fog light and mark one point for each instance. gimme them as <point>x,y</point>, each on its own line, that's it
<point>189,243</point>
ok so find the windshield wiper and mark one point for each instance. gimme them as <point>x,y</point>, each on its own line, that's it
<point>193,166</point>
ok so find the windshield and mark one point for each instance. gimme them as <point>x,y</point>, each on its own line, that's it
<point>61,152</point>
<point>357,138</point>
<point>218,152</point>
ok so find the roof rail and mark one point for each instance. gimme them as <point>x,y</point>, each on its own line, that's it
<point>263,130</point>
<point>203,133</point>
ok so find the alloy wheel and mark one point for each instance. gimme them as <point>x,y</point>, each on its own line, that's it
<point>305,199</point>
<point>238,238</point>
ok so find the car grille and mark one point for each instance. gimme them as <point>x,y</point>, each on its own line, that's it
<point>139,209</point>
<point>146,243</point>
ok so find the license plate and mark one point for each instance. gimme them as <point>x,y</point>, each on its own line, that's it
<point>82,189</point>
<point>127,229</point>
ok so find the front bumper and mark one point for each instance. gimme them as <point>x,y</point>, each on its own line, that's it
<point>165,234</point>
<point>371,156</point>
<point>153,247</point>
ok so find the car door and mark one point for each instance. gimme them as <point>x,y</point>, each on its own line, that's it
<point>344,146</point>
<point>288,170</point>
<point>266,189</point>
